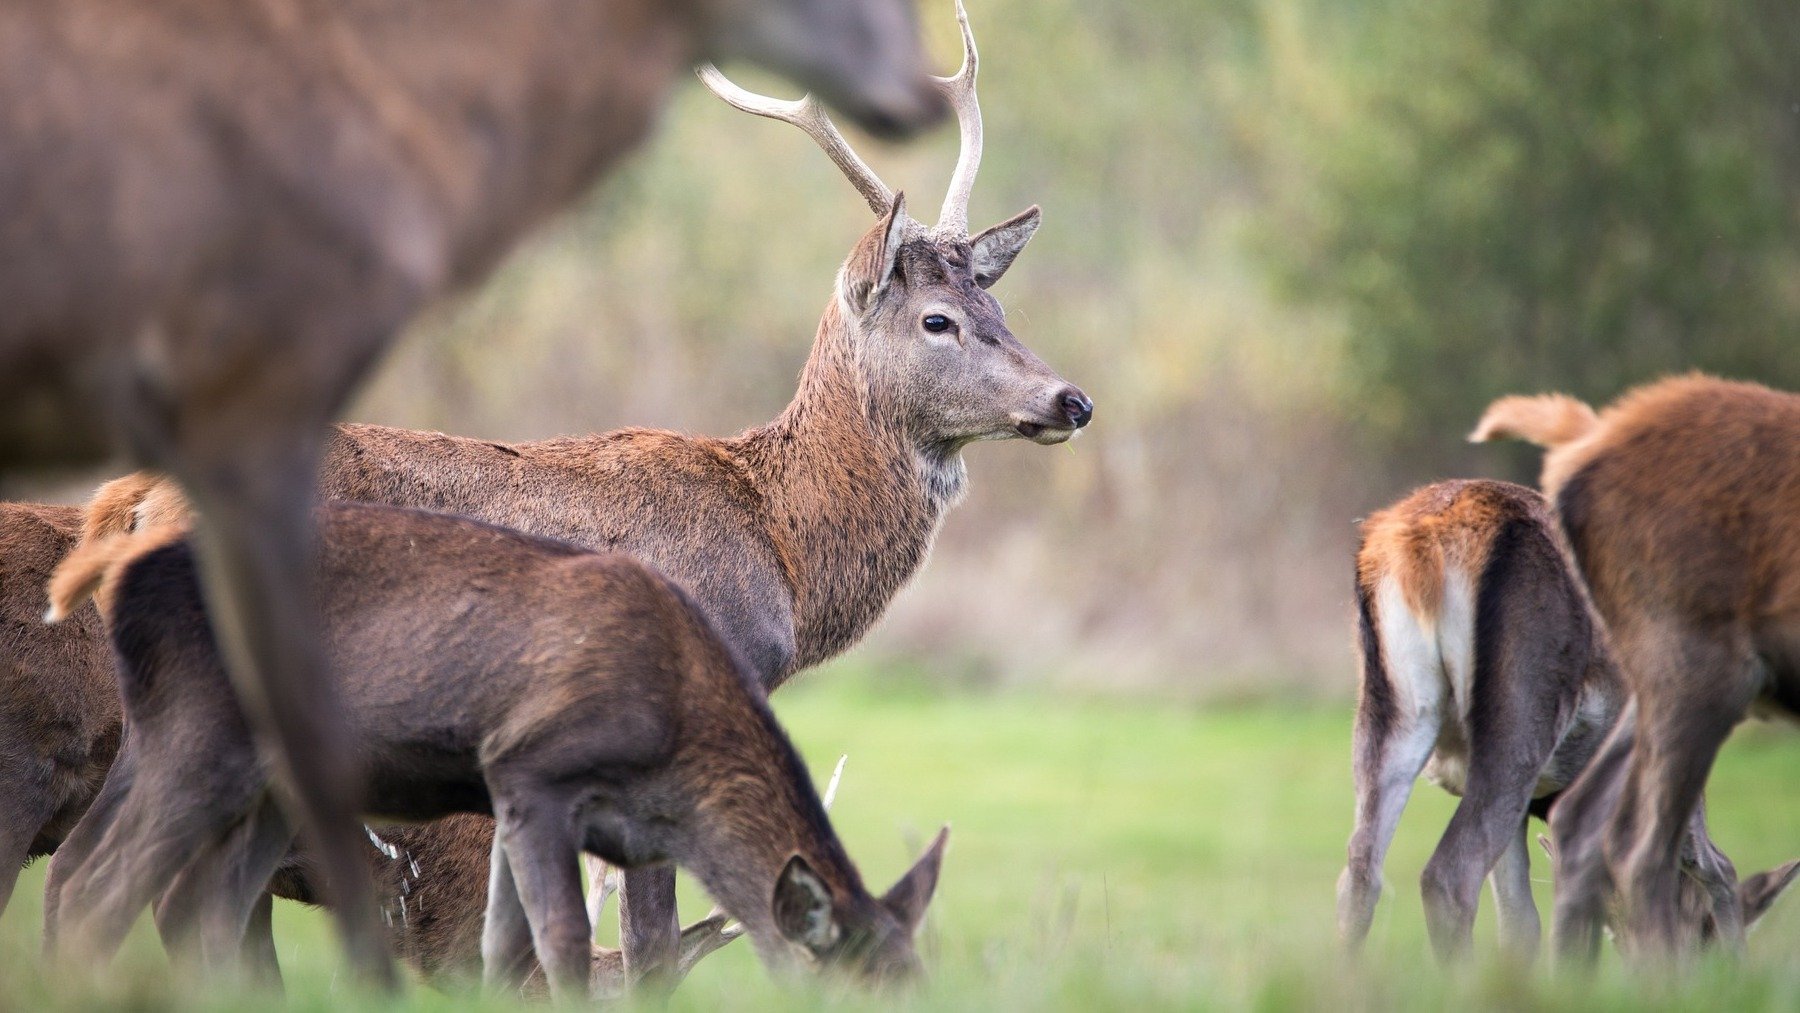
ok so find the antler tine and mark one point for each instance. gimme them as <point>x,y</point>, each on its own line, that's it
<point>837,775</point>
<point>959,90</point>
<point>807,114</point>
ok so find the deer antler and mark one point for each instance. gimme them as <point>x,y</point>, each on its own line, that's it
<point>959,90</point>
<point>807,114</point>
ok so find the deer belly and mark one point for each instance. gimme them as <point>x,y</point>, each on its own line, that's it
<point>1448,767</point>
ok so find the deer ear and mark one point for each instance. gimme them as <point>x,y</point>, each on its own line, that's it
<point>1759,892</point>
<point>802,907</point>
<point>871,265</point>
<point>996,248</point>
<point>908,898</point>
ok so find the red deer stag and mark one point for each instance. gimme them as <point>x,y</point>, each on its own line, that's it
<point>218,214</point>
<point>793,536</point>
<point>1484,665</point>
<point>1682,504</point>
<point>583,699</point>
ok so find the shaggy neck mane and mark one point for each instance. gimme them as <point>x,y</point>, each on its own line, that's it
<point>854,500</point>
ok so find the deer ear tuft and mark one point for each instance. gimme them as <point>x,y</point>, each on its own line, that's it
<point>909,897</point>
<point>871,265</point>
<point>802,907</point>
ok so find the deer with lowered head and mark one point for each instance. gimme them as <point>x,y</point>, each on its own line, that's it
<point>61,724</point>
<point>581,698</point>
<point>1681,502</point>
<point>217,215</point>
<point>1485,667</point>
<point>795,535</point>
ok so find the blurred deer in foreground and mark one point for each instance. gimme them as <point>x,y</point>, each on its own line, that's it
<point>1484,665</point>
<point>793,536</point>
<point>1681,502</point>
<point>583,699</point>
<point>217,215</point>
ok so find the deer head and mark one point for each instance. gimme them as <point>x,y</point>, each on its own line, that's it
<point>861,56</point>
<point>929,343</point>
<point>867,937</point>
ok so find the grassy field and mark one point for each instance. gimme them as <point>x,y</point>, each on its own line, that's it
<point>1104,854</point>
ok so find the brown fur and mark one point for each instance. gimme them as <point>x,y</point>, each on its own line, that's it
<point>59,708</point>
<point>1501,698</point>
<point>1683,508</point>
<point>60,725</point>
<point>216,215</point>
<point>536,681</point>
<point>792,536</point>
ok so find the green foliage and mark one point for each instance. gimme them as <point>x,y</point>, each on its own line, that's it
<point>1103,856</point>
<point>1508,196</point>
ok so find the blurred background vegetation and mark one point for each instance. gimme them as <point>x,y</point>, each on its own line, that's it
<point>1291,247</point>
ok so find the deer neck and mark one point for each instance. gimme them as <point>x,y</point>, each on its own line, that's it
<point>853,499</point>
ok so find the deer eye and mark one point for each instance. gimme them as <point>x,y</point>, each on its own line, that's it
<point>936,323</point>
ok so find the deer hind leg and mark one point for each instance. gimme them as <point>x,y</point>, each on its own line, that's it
<point>1398,719</point>
<point>223,886</point>
<point>255,558</point>
<point>1520,928</point>
<point>1691,692</point>
<point>83,842</point>
<point>543,851</point>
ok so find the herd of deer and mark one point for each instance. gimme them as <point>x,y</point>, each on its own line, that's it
<point>505,657</point>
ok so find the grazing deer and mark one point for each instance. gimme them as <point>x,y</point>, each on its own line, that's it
<point>582,699</point>
<point>1483,665</point>
<point>1681,502</point>
<point>792,536</point>
<point>217,215</point>
<point>60,726</point>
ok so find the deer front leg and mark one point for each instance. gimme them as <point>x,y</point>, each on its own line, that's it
<point>650,928</point>
<point>543,853</point>
<point>507,958</point>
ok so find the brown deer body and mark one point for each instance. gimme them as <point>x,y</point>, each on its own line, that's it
<point>218,214</point>
<point>793,536</point>
<point>60,727</point>
<point>1682,504</point>
<point>582,699</point>
<point>60,716</point>
<point>1484,665</point>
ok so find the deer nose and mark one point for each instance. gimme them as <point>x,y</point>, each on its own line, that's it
<point>1076,406</point>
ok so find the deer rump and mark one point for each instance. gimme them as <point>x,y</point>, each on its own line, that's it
<point>1485,666</point>
<point>1482,666</point>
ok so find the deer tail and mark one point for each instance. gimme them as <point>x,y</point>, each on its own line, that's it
<point>1548,420</point>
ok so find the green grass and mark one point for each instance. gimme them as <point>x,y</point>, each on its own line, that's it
<point>1104,854</point>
